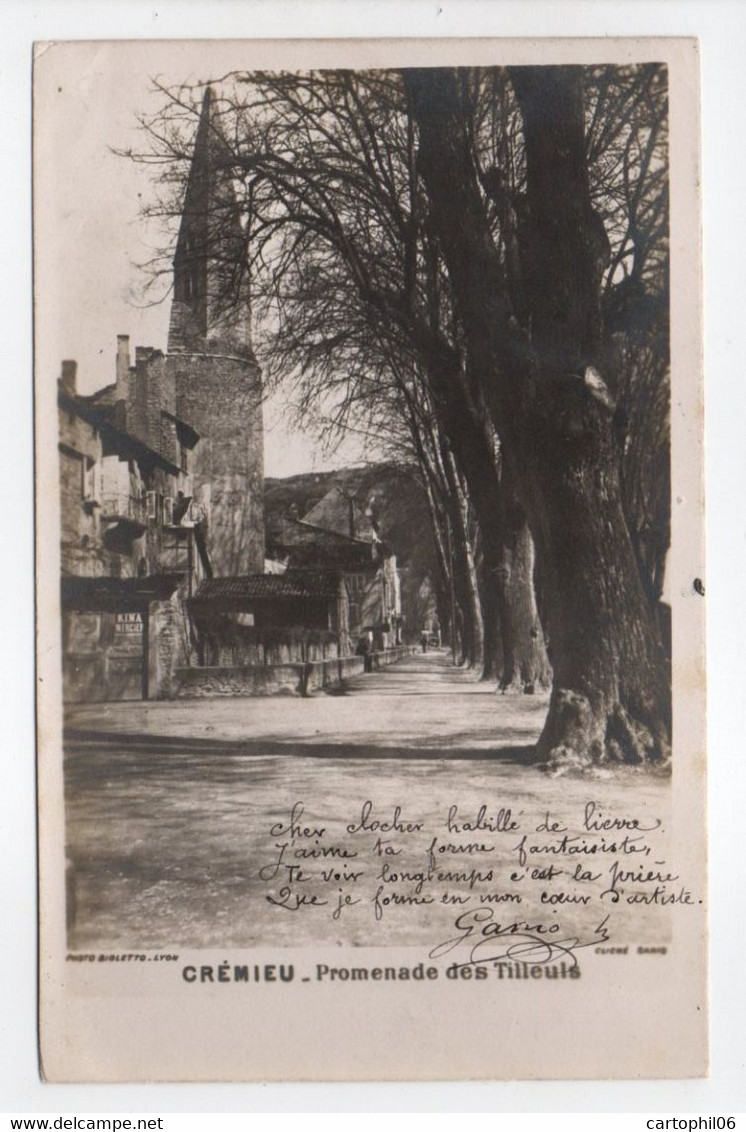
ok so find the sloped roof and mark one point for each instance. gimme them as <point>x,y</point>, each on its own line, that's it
<point>287,531</point>
<point>104,396</point>
<point>332,513</point>
<point>101,416</point>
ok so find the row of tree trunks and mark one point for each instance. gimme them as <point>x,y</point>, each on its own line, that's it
<point>464,568</point>
<point>458,602</point>
<point>514,650</point>
<point>443,585</point>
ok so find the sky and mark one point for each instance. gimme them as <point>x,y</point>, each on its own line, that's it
<point>91,239</point>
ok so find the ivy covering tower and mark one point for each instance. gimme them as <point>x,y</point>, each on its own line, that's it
<point>218,381</point>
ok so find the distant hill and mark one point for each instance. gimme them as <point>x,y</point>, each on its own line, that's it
<point>393,494</point>
<point>307,489</point>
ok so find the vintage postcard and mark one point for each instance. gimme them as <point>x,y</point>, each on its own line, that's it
<point>370,560</point>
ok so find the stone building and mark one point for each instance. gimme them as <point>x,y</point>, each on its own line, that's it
<point>162,500</point>
<point>340,532</point>
<point>132,538</point>
<point>296,616</point>
<point>210,355</point>
<point>161,472</point>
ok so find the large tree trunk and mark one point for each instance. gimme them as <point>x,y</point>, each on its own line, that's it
<point>526,666</point>
<point>446,586</point>
<point>465,572</point>
<point>610,696</point>
<point>553,411</point>
<point>492,663</point>
<point>513,646</point>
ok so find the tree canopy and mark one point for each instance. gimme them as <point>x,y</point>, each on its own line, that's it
<point>471,267</point>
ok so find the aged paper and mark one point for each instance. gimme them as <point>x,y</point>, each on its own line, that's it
<point>283,834</point>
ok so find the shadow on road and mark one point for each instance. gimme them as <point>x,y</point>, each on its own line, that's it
<point>104,743</point>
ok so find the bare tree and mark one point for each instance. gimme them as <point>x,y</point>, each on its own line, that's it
<point>495,240</point>
<point>552,408</point>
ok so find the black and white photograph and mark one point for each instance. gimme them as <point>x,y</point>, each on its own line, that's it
<point>369,449</point>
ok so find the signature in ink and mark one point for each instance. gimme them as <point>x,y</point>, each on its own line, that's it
<point>488,940</point>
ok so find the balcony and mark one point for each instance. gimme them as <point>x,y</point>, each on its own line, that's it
<point>126,511</point>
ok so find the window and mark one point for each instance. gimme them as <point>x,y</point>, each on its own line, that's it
<point>175,554</point>
<point>86,468</point>
<point>91,481</point>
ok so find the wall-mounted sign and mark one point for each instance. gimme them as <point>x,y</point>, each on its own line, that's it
<point>128,623</point>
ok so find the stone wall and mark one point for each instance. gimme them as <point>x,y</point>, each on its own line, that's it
<point>151,392</point>
<point>279,679</point>
<point>221,397</point>
<point>374,661</point>
<point>80,446</point>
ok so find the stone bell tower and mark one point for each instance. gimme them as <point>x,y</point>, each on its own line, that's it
<point>218,381</point>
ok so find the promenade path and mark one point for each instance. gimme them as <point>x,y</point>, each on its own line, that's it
<point>423,706</point>
<point>170,807</point>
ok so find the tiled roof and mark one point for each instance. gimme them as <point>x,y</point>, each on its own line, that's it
<point>293,583</point>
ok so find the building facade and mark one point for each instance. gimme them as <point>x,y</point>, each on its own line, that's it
<point>161,471</point>
<point>162,496</point>
<point>132,542</point>
<point>340,533</point>
<point>210,355</point>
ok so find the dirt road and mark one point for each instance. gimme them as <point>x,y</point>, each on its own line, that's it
<point>177,812</point>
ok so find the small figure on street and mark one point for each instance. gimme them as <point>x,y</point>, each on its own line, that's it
<point>423,640</point>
